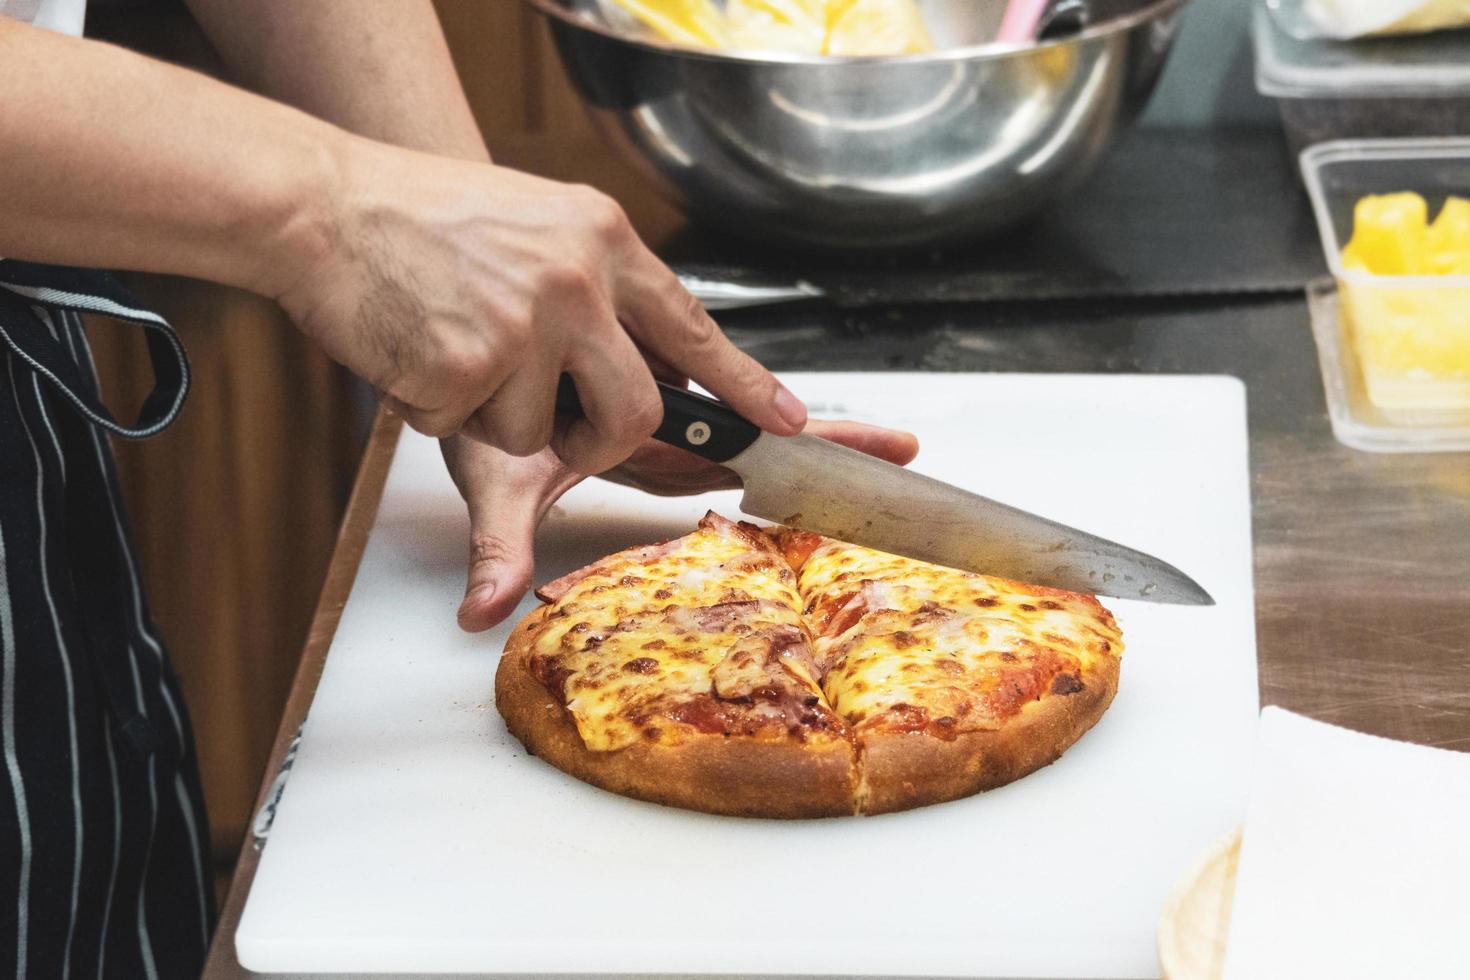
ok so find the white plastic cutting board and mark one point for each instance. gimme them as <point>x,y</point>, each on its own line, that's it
<point>416,836</point>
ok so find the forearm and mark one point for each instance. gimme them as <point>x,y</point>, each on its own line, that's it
<point>111,159</point>
<point>461,290</point>
<point>381,70</point>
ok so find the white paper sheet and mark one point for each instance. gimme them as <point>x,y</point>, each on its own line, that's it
<point>1355,861</point>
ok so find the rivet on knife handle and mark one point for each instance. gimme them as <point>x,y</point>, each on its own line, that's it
<point>695,422</point>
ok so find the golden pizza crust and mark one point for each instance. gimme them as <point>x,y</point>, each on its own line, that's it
<point>732,776</point>
<point>902,770</point>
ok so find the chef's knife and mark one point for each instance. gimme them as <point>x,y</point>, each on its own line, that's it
<point>816,485</point>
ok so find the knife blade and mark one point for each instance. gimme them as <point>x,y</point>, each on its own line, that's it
<point>815,485</point>
<point>724,294</point>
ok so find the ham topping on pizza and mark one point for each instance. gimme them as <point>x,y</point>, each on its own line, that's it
<point>703,631</point>
<point>772,660</point>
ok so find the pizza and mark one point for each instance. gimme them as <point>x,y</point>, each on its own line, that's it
<point>770,672</point>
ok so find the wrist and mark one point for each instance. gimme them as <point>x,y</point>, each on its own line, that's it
<point>301,222</point>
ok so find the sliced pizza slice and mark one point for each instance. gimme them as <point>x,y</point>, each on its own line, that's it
<point>950,682</point>
<point>681,673</point>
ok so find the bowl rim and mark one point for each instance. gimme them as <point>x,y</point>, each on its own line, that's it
<point>553,10</point>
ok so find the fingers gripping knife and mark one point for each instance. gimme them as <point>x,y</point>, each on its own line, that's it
<point>820,486</point>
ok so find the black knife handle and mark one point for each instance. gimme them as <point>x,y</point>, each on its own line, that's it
<point>700,424</point>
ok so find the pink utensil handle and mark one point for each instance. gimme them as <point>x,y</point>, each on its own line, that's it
<point>1019,23</point>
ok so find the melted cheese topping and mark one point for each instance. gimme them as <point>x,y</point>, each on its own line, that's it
<point>715,632</point>
<point>637,639</point>
<point>938,647</point>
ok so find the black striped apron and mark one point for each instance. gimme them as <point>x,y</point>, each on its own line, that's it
<point>103,839</point>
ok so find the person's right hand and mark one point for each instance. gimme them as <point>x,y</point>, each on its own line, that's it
<point>509,497</point>
<point>462,291</point>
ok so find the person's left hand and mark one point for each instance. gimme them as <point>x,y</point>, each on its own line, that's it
<point>509,495</point>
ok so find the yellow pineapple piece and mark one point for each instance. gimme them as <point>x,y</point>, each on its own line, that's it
<point>1448,239</point>
<point>839,27</point>
<point>698,23</point>
<point>1388,233</point>
<point>876,27</point>
<point>777,25</point>
<point>794,11</point>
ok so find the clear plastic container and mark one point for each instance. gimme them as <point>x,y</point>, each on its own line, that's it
<point>1402,342</point>
<point>1375,87</point>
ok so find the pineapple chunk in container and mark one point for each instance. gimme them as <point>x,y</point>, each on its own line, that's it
<point>1406,299</point>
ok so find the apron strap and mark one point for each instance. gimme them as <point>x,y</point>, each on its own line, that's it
<point>25,286</point>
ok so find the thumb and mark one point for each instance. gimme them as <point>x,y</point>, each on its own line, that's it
<point>500,567</point>
<point>507,497</point>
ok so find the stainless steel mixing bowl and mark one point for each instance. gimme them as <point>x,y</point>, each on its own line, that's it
<point>870,152</point>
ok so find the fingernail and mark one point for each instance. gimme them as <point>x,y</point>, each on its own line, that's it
<point>478,597</point>
<point>790,408</point>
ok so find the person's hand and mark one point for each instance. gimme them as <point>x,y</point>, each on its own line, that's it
<point>462,291</point>
<point>508,496</point>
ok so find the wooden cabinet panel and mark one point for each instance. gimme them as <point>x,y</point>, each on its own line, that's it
<point>531,116</point>
<point>234,510</point>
